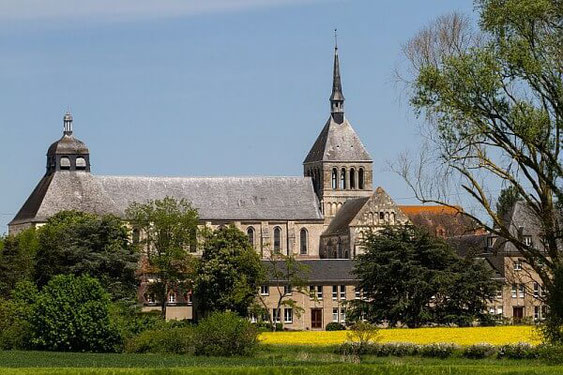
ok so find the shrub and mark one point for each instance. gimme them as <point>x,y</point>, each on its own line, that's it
<point>72,314</point>
<point>334,326</point>
<point>225,334</point>
<point>379,350</point>
<point>363,332</point>
<point>439,350</point>
<point>518,351</point>
<point>174,340</point>
<point>552,354</point>
<point>479,351</point>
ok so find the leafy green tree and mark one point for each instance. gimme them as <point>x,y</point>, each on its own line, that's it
<point>287,276</point>
<point>79,243</point>
<point>228,274</point>
<point>167,233</point>
<point>493,104</point>
<point>17,259</point>
<point>409,277</point>
<point>15,314</point>
<point>72,314</point>
<point>506,200</point>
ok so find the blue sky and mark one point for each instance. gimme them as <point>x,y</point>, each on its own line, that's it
<point>200,87</point>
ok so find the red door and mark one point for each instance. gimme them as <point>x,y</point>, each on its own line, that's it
<point>317,318</point>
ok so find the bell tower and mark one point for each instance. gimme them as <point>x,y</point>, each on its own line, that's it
<point>68,153</point>
<point>338,162</point>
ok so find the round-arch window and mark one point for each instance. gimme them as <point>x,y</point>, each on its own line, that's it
<point>80,163</point>
<point>277,239</point>
<point>65,162</point>
<point>352,178</point>
<point>304,241</point>
<point>250,234</point>
<point>334,178</point>
<point>343,179</point>
<point>361,178</point>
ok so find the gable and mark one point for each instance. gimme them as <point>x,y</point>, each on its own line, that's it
<point>379,210</point>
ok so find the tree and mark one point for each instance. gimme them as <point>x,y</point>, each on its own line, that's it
<point>72,314</point>
<point>409,277</point>
<point>506,200</point>
<point>167,232</point>
<point>17,259</point>
<point>493,101</point>
<point>79,243</point>
<point>286,275</point>
<point>228,274</point>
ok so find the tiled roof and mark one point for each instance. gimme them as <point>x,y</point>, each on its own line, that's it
<point>338,142</point>
<point>216,198</point>
<point>413,210</point>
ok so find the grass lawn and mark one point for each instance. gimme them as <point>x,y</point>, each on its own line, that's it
<point>461,336</point>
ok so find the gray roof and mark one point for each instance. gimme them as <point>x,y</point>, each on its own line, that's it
<point>68,144</point>
<point>216,198</point>
<point>323,270</point>
<point>341,223</point>
<point>338,142</point>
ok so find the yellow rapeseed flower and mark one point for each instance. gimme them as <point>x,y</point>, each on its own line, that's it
<point>460,336</point>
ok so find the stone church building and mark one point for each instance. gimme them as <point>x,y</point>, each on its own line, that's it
<point>319,217</point>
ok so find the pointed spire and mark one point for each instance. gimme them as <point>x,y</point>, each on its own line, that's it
<point>336,98</point>
<point>67,120</point>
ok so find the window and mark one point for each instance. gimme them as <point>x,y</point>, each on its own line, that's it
<point>80,163</point>
<point>287,290</point>
<point>277,239</point>
<point>149,298</point>
<point>352,178</point>
<point>342,291</point>
<point>276,315</point>
<point>361,178</point>
<point>334,291</point>
<point>514,291</point>
<point>334,178</point>
<point>188,298</point>
<point>527,240</point>
<point>288,315</point>
<point>381,216</point>
<point>253,318</point>
<point>343,179</point>
<point>521,291</point>
<point>65,163</point>
<point>499,310</point>
<point>250,234</point>
<point>316,290</point>
<point>335,314</point>
<point>490,241</point>
<point>536,290</point>
<point>172,298</point>
<point>303,241</point>
<point>517,265</point>
<point>536,313</point>
<point>342,315</point>
<point>357,293</point>
<point>265,290</point>
<point>499,293</point>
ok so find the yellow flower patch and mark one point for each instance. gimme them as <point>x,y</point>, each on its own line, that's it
<point>460,336</point>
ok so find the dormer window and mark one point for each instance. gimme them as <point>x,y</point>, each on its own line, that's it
<point>65,163</point>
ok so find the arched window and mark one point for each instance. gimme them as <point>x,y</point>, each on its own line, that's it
<point>334,178</point>
<point>392,217</point>
<point>277,239</point>
<point>361,178</point>
<point>352,178</point>
<point>250,234</point>
<point>303,241</point>
<point>80,163</point>
<point>65,163</point>
<point>343,179</point>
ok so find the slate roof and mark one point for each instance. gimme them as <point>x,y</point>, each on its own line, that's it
<point>324,270</point>
<point>341,223</point>
<point>216,198</point>
<point>68,144</point>
<point>338,142</point>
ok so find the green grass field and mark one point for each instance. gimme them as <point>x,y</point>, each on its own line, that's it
<point>274,360</point>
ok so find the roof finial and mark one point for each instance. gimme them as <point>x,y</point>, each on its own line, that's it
<point>67,120</point>
<point>336,39</point>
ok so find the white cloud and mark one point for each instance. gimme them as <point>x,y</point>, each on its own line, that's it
<point>124,9</point>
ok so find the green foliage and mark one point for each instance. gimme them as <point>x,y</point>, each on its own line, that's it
<point>78,243</point>
<point>479,351</point>
<point>168,233</point>
<point>363,333</point>
<point>518,351</point>
<point>438,350</point>
<point>72,314</point>
<point>17,259</point>
<point>15,314</point>
<point>506,200</point>
<point>552,354</point>
<point>412,278</point>
<point>173,340</point>
<point>335,326</point>
<point>225,334</point>
<point>228,274</point>
<point>399,349</point>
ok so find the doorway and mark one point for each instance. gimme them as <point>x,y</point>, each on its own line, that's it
<point>517,313</point>
<point>317,318</point>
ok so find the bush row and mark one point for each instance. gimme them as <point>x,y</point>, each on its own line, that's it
<point>553,354</point>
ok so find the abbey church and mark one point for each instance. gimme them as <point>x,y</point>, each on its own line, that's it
<point>319,217</point>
